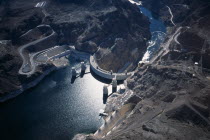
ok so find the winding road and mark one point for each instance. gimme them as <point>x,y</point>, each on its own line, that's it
<point>166,45</point>
<point>178,34</point>
<point>28,65</point>
<point>172,16</point>
<point>175,38</point>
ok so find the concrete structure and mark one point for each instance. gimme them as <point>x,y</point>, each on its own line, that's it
<point>50,54</point>
<point>142,63</point>
<point>105,94</point>
<point>102,113</point>
<point>196,67</point>
<point>114,84</point>
<point>67,52</point>
<point>106,74</point>
<point>122,89</point>
<point>83,67</point>
<point>105,90</point>
<point>73,71</point>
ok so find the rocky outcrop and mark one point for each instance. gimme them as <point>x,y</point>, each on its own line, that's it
<point>10,62</point>
<point>116,27</point>
<point>17,18</point>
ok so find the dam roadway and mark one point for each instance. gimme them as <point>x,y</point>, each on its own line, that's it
<point>106,74</point>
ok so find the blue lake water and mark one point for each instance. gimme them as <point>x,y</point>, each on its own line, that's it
<point>53,110</point>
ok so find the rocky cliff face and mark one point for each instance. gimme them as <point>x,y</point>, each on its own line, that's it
<point>10,63</point>
<point>116,27</point>
<point>174,88</point>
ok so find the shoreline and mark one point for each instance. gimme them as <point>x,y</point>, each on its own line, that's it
<point>32,84</point>
<point>24,87</point>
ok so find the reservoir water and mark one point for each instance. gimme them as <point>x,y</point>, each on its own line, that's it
<point>53,110</point>
<point>56,109</point>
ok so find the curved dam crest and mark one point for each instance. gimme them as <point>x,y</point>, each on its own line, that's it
<point>106,74</point>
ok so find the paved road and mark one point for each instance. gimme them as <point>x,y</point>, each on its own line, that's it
<point>175,38</point>
<point>30,62</point>
<point>166,45</point>
<point>172,16</point>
